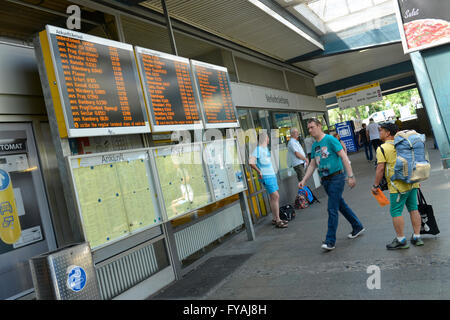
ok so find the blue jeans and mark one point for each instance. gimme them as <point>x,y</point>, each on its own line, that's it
<point>368,151</point>
<point>334,188</point>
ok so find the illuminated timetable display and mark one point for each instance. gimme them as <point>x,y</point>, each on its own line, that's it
<point>169,90</point>
<point>98,84</point>
<point>213,87</point>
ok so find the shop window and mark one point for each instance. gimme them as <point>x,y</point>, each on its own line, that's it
<point>284,122</point>
<point>318,115</point>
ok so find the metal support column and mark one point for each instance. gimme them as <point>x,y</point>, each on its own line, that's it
<point>169,27</point>
<point>247,218</point>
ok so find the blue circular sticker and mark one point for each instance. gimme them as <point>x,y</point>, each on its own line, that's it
<point>76,278</point>
<point>4,180</point>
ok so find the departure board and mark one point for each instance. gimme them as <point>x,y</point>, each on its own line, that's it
<point>213,86</point>
<point>168,90</point>
<point>98,84</point>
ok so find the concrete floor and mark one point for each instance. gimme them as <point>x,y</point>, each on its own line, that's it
<point>289,263</point>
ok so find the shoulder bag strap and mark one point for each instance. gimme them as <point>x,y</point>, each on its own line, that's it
<point>420,197</point>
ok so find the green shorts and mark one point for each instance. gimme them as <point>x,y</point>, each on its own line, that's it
<point>409,198</point>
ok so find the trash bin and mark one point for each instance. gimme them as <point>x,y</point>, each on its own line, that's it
<point>65,274</point>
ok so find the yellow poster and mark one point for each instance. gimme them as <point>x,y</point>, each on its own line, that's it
<point>137,194</point>
<point>115,199</point>
<point>9,220</point>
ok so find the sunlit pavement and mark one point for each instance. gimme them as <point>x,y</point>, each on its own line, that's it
<point>289,263</point>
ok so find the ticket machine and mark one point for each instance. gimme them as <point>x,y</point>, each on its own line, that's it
<point>20,170</point>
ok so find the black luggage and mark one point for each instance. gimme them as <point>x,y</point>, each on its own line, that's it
<point>287,212</point>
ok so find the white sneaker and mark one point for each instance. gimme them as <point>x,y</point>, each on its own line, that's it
<point>328,247</point>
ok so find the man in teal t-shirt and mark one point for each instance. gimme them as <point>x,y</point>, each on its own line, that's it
<point>325,154</point>
<point>330,159</point>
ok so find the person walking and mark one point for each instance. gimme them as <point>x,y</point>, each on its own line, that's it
<point>399,123</point>
<point>261,161</point>
<point>296,157</point>
<point>363,140</point>
<point>401,193</point>
<point>337,136</point>
<point>373,134</point>
<point>327,154</point>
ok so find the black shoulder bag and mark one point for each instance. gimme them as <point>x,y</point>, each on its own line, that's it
<point>429,225</point>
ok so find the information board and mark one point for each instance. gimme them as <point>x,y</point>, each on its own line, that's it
<point>225,168</point>
<point>215,162</point>
<point>182,179</point>
<point>233,163</point>
<point>423,24</point>
<point>213,87</point>
<point>98,84</point>
<point>115,195</point>
<point>168,90</point>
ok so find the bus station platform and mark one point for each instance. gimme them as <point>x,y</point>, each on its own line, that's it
<point>290,264</point>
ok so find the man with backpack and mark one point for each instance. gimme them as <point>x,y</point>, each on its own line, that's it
<point>327,154</point>
<point>401,192</point>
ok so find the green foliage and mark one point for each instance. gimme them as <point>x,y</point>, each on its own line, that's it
<point>393,101</point>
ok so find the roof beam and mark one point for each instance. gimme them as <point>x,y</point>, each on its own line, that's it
<point>365,77</point>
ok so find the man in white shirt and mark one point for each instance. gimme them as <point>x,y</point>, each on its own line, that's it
<point>308,145</point>
<point>296,156</point>
<point>374,135</point>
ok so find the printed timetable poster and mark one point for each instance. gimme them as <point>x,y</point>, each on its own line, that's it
<point>114,195</point>
<point>169,91</point>
<point>423,24</point>
<point>182,179</point>
<point>98,84</point>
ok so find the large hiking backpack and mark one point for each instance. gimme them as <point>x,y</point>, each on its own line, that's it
<point>412,163</point>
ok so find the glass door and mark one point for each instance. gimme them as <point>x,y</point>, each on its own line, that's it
<point>257,196</point>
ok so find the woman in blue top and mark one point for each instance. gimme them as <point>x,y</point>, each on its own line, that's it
<point>330,159</point>
<point>261,161</point>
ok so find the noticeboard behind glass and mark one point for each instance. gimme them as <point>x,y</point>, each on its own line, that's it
<point>182,179</point>
<point>115,195</point>
<point>225,168</point>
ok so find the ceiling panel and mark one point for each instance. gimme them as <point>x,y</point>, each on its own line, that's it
<point>238,21</point>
